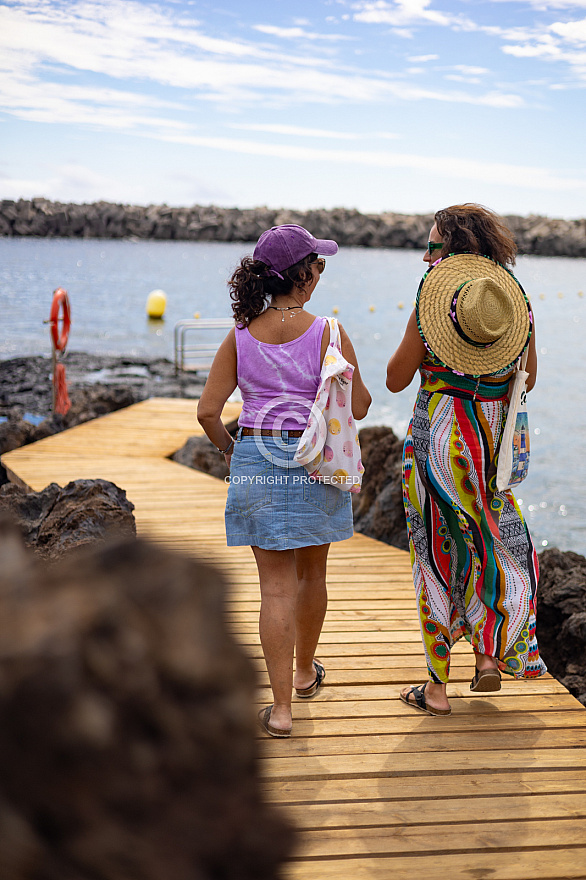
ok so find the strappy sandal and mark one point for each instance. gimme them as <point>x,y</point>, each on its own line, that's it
<point>419,701</point>
<point>320,674</point>
<point>486,681</point>
<point>264,717</point>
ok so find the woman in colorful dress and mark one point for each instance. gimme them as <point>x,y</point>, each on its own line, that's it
<point>475,568</point>
<point>274,354</point>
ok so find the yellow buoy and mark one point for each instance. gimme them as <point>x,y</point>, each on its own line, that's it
<point>400,305</point>
<point>372,308</point>
<point>580,293</point>
<point>560,295</point>
<point>335,310</point>
<point>196,315</point>
<point>541,296</point>
<point>156,303</point>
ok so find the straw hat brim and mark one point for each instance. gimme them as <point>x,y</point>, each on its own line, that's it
<point>434,299</point>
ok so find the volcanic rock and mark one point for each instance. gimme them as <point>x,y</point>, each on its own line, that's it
<point>127,743</point>
<point>58,520</point>
<point>98,384</point>
<point>201,454</point>
<point>561,617</point>
<point>378,508</point>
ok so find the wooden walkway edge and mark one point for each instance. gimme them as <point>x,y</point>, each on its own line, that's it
<point>497,790</point>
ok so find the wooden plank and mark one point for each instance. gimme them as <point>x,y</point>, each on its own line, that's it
<point>471,723</point>
<point>390,813</point>
<point>417,788</point>
<point>555,863</point>
<point>423,739</point>
<point>366,764</point>
<point>473,708</point>
<point>510,835</point>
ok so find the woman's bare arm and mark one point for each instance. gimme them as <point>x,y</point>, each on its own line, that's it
<point>532,361</point>
<point>407,358</point>
<point>220,384</point>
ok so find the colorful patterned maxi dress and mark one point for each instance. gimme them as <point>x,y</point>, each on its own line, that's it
<point>474,565</point>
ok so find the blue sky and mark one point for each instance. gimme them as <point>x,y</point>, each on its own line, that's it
<point>379,105</point>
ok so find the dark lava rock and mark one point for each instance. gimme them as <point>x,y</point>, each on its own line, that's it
<point>378,508</point>
<point>58,520</point>
<point>97,384</point>
<point>201,454</point>
<point>127,743</point>
<point>561,617</point>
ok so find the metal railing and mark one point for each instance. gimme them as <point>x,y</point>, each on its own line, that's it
<point>197,355</point>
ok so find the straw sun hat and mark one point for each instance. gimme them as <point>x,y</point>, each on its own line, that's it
<point>473,314</point>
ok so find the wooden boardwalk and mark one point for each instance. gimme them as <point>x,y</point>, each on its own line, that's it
<point>497,790</point>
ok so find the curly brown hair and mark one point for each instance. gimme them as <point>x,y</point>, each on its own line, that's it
<point>472,228</point>
<point>251,287</point>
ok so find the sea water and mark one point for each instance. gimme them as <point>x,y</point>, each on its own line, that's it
<point>373,292</point>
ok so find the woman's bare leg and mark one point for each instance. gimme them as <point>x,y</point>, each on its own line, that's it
<point>484,661</point>
<point>312,600</point>
<point>278,590</point>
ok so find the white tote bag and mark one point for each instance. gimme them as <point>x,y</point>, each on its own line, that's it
<point>329,448</point>
<point>514,452</point>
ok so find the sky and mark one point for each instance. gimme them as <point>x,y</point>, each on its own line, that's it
<point>375,105</point>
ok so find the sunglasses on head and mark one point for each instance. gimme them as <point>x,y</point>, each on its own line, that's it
<point>434,246</point>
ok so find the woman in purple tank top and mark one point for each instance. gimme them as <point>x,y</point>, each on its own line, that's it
<point>274,355</point>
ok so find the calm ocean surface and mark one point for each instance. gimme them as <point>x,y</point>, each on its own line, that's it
<point>108,283</point>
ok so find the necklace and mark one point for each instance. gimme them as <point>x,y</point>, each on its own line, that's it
<point>286,309</point>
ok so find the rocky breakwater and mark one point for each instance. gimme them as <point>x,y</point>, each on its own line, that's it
<point>40,217</point>
<point>128,739</point>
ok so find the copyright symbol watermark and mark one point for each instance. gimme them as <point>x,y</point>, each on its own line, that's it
<point>278,410</point>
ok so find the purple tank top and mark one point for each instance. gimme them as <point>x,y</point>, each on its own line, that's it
<point>278,383</point>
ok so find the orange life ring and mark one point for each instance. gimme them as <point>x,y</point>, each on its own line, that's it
<point>60,298</point>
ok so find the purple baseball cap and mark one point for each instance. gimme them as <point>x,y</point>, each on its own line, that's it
<point>283,246</point>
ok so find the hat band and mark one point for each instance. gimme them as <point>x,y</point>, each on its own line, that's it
<point>274,273</point>
<point>459,329</point>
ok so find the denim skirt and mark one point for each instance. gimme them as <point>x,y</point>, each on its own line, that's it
<point>274,504</point>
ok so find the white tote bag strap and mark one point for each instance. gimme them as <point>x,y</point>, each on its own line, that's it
<point>523,359</point>
<point>335,334</point>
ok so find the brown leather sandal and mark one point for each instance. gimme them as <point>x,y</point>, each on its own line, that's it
<point>264,717</point>
<point>419,701</point>
<point>320,674</point>
<point>486,681</point>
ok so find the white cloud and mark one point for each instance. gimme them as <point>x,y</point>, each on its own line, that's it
<point>399,12</point>
<point>421,59</point>
<point>76,183</point>
<point>137,43</point>
<point>572,31</point>
<point>470,70</point>
<point>458,77</point>
<point>531,177</point>
<point>298,131</point>
<point>296,33</point>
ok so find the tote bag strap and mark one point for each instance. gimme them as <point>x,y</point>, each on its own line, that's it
<point>522,362</point>
<point>335,339</point>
